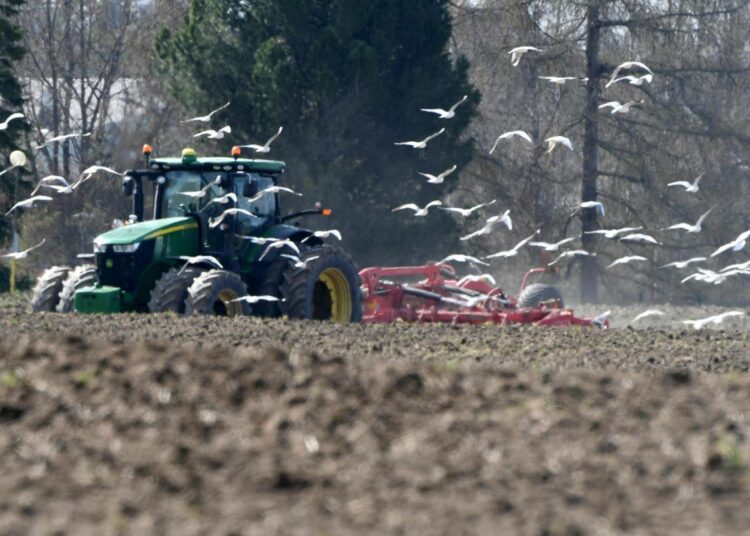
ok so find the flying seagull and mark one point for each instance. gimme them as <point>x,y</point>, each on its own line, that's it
<point>231,212</point>
<point>640,237</point>
<point>199,259</point>
<point>554,141</point>
<point>716,319</point>
<point>272,190</point>
<point>10,118</point>
<point>446,114</point>
<point>735,245</point>
<point>256,299</point>
<point>689,187</point>
<point>619,108</point>
<point>626,260</point>
<point>28,203</point>
<point>280,244</point>
<point>465,212</point>
<point>421,144</point>
<point>627,66</point>
<point>635,80</point>
<point>487,278</point>
<point>266,147</point>
<point>438,179</point>
<point>572,253</point>
<point>646,314</point>
<point>299,263</point>
<point>23,254</point>
<point>612,233</point>
<point>598,205</point>
<point>510,134</point>
<point>419,212</point>
<point>511,252</point>
<point>546,246</point>
<point>462,258</point>
<point>683,264</point>
<point>490,224</point>
<point>61,138</point>
<point>324,234</point>
<point>517,53</point>
<point>205,118</point>
<point>688,227</point>
<point>559,80</point>
<point>214,134</point>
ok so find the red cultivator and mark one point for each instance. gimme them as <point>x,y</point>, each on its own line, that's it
<point>438,296</point>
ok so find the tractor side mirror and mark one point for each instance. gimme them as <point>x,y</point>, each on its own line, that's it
<point>127,185</point>
<point>250,188</point>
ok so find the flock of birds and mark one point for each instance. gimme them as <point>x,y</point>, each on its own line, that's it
<point>60,186</point>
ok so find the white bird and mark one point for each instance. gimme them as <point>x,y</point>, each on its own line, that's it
<point>419,212</point>
<point>572,253</point>
<point>559,80</point>
<point>490,224</point>
<point>259,239</point>
<point>272,190</point>
<point>598,205</point>
<point>324,234</point>
<point>256,299</point>
<point>547,246</point>
<point>626,260</point>
<point>640,237</point>
<point>438,179</point>
<point>634,80</point>
<point>61,138</point>
<point>465,212</point>
<point>512,252</point>
<point>421,144</point>
<point>517,53</point>
<point>266,147</point>
<point>740,266</point>
<point>446,114</point>
<point>738,244</point>
<point>199,259</point>
<point>28,203</point>
<point>688,227</point>
<point>23,254</point>
<point>510,134</point>
<point>197,193</point>
<point>683,264</point>
<point>231,212</point>
<point>627,66</point>
<point>205,118</point>
<point>599,320</point>
<point>214,134</point>
<point>96,169</point>
<point>10,118</point>
<point>299,263</point>
<point>716,319</point>
<point>554,141</point>
<point>224,199</point>
<point>280,244</point>
<point>689,187</point>
<point>487,278</point>
<point>49,179</point>
<point>646,314</point>
<point>462,258</point>
<point>619,108</point>
<point>612,233</point>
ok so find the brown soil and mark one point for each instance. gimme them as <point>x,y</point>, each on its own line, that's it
<point>154,424</point>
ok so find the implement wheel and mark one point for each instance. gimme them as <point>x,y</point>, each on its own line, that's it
<point>47,289</point>
<point>171,290</point>
<point>78,278</point>
<point>537,293</point>
<point>327,288</point>
<point>212,293</point>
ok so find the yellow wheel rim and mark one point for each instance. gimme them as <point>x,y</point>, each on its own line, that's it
<point>230,308</point>
<point>341,296</point>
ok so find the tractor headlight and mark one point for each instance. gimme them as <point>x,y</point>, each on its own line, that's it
<point>99,247</point>
<point>129,248</point>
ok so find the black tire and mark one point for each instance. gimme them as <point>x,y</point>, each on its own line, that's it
<point>211,294</point>
<point>171,290</point>
<point>47,290</point>
<point>537,293</point>
<point>307,296</point>
<point>270,285</point>
<point>78,278</point>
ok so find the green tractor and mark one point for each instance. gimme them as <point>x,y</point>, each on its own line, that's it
<point>141,266</point>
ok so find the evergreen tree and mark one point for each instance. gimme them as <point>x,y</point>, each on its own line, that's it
<point>346,79</point>
<point>11,99</point>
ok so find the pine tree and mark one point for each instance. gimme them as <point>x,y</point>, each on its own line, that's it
<point>346,79</point>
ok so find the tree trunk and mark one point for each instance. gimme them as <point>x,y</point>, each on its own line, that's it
<point>590,269</point>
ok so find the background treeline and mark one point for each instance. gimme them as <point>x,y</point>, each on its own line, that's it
<point>347,78</point>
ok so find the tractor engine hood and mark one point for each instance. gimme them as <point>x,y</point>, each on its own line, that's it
<point>142,231</point>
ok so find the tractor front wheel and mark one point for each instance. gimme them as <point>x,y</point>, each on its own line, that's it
<point>327,288</point>
<point>214,292</point>
<point>171,290</point>
<point>47,289</point>
<point>78,278</point>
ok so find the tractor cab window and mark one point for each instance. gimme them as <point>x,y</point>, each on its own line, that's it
<point>188,181</point>
<point>264,207</point>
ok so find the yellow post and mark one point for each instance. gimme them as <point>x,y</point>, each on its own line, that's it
<point>12,276</point>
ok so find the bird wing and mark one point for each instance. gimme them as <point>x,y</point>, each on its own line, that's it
<point>453,108</point>
<point>208,132</point>
<point>431,177</point>
<point>612,104</point>
<point>438,111</point>
<point>685,184</point>
<point>678,226</point>
<point>434,135</point>
<point>273,138</point>
<point>410,206</point>
<point>435,203</point>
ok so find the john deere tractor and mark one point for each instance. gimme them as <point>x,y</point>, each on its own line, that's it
<point>141,265</point>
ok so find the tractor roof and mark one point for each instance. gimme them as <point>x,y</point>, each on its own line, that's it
<point>218,163</point>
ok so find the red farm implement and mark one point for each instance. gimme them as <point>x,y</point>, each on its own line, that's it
<point>437,295</point>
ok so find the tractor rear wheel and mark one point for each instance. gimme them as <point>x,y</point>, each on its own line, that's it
<point>78,278</point>
<point>537,293</point>
<point>47,289</point>
<point>171,290</point>
<point>327,288</point>
<point>212,293</point>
